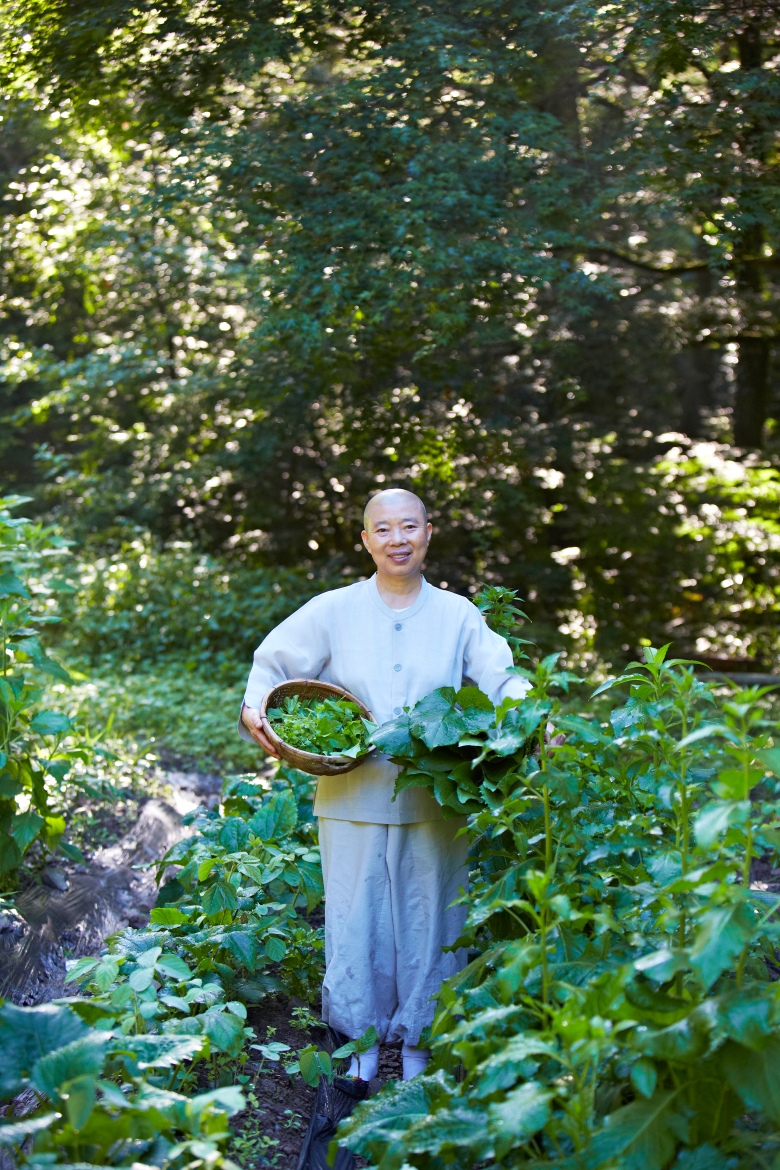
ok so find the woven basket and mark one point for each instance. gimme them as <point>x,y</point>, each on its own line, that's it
<point>310,688</point>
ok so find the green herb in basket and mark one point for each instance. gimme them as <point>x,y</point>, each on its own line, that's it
<point>327,727</point>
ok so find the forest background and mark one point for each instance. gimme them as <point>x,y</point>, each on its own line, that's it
<point>262,258</point>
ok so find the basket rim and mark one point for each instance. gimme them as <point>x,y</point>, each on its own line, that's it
<point>334,689</point>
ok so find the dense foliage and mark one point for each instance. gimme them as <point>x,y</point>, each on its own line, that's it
<point>38,746</point>
<point>227,927</point>
<point>260,259</point>
<point>117,1072</point>
<point>622,1008</point>
<point>104,1098</point>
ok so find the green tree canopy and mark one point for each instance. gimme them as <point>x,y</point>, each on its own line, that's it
<point>261,258</point>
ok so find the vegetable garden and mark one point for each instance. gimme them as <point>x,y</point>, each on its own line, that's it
<point>621,1004</point>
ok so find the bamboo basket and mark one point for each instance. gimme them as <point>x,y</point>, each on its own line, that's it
<point>310,688</point>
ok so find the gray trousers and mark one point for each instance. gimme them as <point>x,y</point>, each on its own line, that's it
<point>387,917</point>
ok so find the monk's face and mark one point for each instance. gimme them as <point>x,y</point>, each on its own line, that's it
<point>397,537</point>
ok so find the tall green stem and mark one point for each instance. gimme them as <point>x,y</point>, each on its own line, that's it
<point>548,857</point>
<point>684,840</point>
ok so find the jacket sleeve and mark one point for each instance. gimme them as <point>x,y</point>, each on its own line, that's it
<point>486,660</point>
<point>299,647</point>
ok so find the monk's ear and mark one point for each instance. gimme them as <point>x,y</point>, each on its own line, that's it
<point>364,538</point>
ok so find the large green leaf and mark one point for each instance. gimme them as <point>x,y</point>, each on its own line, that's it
<point>221,896</point>
<point>10,853</point>
<point>80,1100</point>
<point>234,835</point>
<point>276,819</point>
<point>394,738</point>
<point>521,1113</point>
<point>478,712</point>
<point>228,1099</point>
<point>241,944</point>
<point>84,1057</point>
<point>458,1132</point>
<point>172,967</point>
<point>722,934</point>
<point>436,720</point>
<point>755,1075</point>
<point>513,1059</point>
<point>275,949</point>
<point>26,827</point>
<point>718,816</point>
<point>640,1136</point>
<point>149,1052</point>
<point>27,1034</point>
<point>14,1133</point>
<point>11,586</point>
<point>50,723</point>
<point>168,916</point>
<point>389,1117</point>
<point>749,1015</point>
<point>224,1030</point>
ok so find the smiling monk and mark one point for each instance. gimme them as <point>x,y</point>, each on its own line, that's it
<point>391,866</point>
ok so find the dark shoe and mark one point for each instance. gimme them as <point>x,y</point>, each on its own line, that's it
<point>333,1103</point>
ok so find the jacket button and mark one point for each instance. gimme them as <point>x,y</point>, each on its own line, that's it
<point>397,666</point>
<point>397,710</point>
<point>398,626</point>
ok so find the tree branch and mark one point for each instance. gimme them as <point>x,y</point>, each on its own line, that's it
<point>597,252</point>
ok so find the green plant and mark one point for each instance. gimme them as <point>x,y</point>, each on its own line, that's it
<point>38,746</point>
<point>145,605</point>
<point>329,727</point>
<point>251,1147</point>
<point>302,1019</point>
<point>104,1098</point>
<point>314,1064</point>
<point>227,929</point>
<point>169,710</point>
<point>497,605</point>
<point>621,1009</point>
<point>271,1050</point>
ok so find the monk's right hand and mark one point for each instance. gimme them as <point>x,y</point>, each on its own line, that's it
<point>251,719</point>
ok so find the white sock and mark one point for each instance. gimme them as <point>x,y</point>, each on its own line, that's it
<point>414,1060</point>
<point>365,1065</point>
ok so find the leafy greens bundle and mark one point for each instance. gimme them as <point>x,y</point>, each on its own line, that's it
<point>326,727</point>
<point>465,751</point>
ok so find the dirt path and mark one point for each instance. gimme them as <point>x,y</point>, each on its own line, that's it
<point>73,908</point>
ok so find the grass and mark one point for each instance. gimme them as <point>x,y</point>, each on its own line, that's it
<point>188,715</point>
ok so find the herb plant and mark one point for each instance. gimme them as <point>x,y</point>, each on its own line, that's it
<point>621,1010</point>
<point>38,747</point>
<point>103,1098</point>
<point>326,727</point>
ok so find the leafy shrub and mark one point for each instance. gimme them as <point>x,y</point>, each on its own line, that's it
<point>141,606</point>
<point>38,747</point>
<point>104,1098</point>
<point>620,1010</point>
<point>226,929</point>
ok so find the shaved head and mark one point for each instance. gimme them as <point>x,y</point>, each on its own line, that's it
<point>394,496</point>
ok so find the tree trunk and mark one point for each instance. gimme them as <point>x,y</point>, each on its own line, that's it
<point>752,391</point>
<point>697,368</point>
<point>751,399</point>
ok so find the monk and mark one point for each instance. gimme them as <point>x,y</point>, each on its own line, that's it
<point>391,867</point>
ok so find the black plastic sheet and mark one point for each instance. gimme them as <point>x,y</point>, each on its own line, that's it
<point>333,1102</point>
